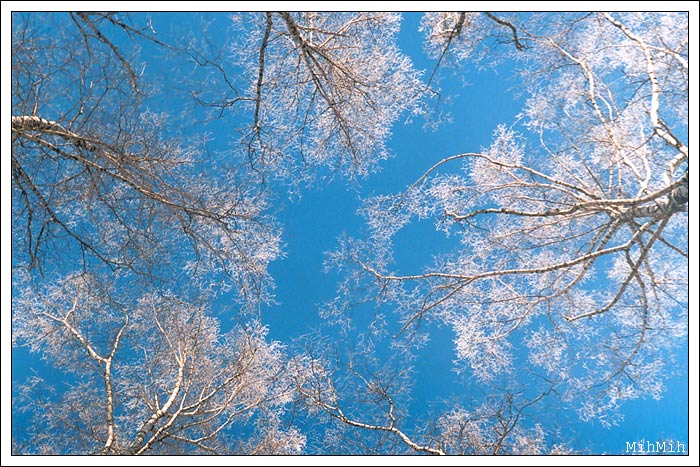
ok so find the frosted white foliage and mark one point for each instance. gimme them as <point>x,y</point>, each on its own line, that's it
<point>487,430</point>
<point>564,273</point>
<point>572,260</point>
<point>275,439</point>
<point>325,89</point>
<point>454,32</point>
<point>446,190</point>
<point>548,351</point>
<point>103,182</point>
<point>462,430</point>
<point>167,378</point>
<point>488,355</point>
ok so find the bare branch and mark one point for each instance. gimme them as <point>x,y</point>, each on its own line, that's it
<point>86,19</point>
<point>518,45</point>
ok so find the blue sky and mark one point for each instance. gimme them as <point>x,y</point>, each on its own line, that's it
<point>313,224</point>
<point>314,221</point>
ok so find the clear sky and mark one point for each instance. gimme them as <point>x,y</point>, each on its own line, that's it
<point>313,224</point>
<point>314,221</point>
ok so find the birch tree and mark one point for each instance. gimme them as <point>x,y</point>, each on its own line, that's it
<point>117,223</point>
<point>567,241</point>
<point>569,232</point>
<point>326,89</point>
<point>368,398</point>
<point>153,376</point>
<point>102,181</point>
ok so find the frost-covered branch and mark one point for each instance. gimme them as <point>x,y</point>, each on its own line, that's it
<point>656,122</point>
<point>577,210</point>
<point>322,394</point>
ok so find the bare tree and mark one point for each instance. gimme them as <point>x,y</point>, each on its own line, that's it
<point>495,427</point>
<point>571,231</point>
<point>368,400</point>
<point>100,180</point>
<point>112,209</point>
<point>327,88</point>
<point>154,376</point>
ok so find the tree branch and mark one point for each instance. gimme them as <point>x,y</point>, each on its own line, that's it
<point>261,71</point>
<point>656,122</point>
<point>132,76</point>
<point>518,45</point>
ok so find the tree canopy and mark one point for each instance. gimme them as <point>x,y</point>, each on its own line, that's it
<point>153,160</point>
